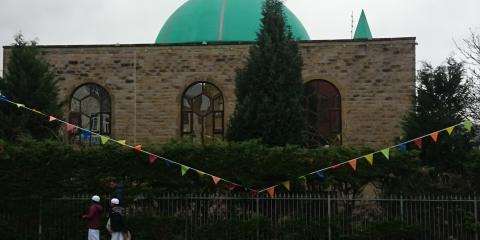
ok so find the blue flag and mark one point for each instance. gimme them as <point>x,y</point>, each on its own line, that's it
<point>3,98</point>
<point>320,174</point>
<point>402,147</point>
<point>86,135</point>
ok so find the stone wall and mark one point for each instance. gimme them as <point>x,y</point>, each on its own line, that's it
<point>375,78</point>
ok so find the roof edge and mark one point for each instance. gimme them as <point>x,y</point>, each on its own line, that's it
<point>216,43</point>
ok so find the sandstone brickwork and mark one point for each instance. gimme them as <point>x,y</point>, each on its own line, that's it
<point>376,80</point>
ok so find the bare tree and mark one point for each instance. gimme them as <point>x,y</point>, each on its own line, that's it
<point>470,49</point>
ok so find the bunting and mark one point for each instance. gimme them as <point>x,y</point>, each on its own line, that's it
<point>450,130</point>
<point>468,125</point>
<point>231,187</point>
<point>270,190</point>
<point>184,169</point>
<point>216,180</point>
<point>86,135</point>
<point>138,147</point>
<point>386,153</point>
<point>418,142</point>
<point>369,158</point>
<point>434,136</point>
<point>286,184</point>
<point>152,158</point>
<point>353,164</point>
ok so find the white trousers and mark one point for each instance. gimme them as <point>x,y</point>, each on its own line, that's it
<point>117,236</point>
<point>93,234</point>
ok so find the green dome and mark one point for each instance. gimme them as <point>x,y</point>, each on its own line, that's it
<point>220,20</point>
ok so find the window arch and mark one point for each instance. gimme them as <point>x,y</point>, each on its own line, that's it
<point>322,104</point>
<point>202,112</point>
<point>90,108</point>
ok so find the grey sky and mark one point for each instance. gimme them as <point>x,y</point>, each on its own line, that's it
<point>435,23</point>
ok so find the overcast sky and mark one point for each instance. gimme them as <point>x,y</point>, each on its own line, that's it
<point>435,23</point>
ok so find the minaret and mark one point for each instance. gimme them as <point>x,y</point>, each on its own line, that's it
<point>363,30</point>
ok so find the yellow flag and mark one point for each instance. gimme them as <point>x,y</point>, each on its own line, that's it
<point>369,158</point>
<point>386,153</point>
<point>103,139</point>
<point>286,184</point>
<point>123,142</point>
<point>468,125</point>
<point>450,130</point>
<point>200,173</point>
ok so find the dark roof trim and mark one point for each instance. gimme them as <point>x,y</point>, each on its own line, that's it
<point>215,43</point>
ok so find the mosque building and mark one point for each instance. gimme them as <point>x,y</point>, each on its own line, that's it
<point>357,91</point>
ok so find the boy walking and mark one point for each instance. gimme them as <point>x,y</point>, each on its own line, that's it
<point>93,217</point>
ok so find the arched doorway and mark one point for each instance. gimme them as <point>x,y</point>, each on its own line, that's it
<point>323,115</point>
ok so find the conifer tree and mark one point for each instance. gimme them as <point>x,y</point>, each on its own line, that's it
<point>27,80</point>
<point>269,89</point>
<point>443,98</point>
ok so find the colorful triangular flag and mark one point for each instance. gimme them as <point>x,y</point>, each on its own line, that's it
<point>138,147</point>
<point>123,142</point>
<point>402,147</point>
<point>386,153</point>
<point>353,164</point>
<point>231,187</point>
<point>103,139</point>
<point>152,158</point>
<point>70,127</point>
<point>304,178</point>
<point>3,97</point>
<point>418,142</point>
<point>468,125</point>
<point>450,130</point>
<point>168,163</point>
<point>335,167</point>
<point>200,173</point>
<point>434,136</point>
<point>271,191</point>
<point>286,184</point>
<point>184,169</point>
<point>369,158</point>
<point>86,135</point>
<point>216,180</point>
<point>320,174</point>
<point>19,105</point>
<point>50,118</point>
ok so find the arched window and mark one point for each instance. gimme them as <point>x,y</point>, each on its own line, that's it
<point>202,112</point>
<point>322,103</point>
<point>90,108</point>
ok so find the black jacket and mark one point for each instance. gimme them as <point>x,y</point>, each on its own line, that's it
<point>117,219</point>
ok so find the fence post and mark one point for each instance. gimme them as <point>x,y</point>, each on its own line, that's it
<point>329,217</point>
<point>257,201</point>
<point>401,208</point>
<point>475,209</point>
<point>40,220</point>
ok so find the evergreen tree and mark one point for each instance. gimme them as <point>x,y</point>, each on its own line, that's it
<point>269,89</point>
<point>443,97</point>
<point>27,80</point>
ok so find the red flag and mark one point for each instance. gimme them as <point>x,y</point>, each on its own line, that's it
<point>152,158</point>
<point>232,187</point>
<point>336,167</point>
<point>216,179</point>
<point>138,147</point>
<point>353,164</point>
<point>271,191</point>
<point>434,136</point>
<point>70,127</point>
<point>50,118</point>
<point>418,141</point>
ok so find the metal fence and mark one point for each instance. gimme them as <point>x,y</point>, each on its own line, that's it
<point>287,216</point>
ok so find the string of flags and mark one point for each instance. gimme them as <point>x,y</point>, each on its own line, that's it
<point>152,158</point>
